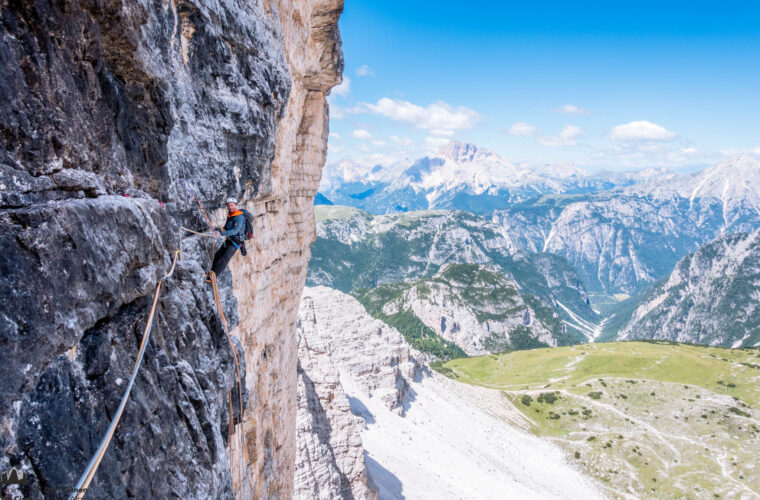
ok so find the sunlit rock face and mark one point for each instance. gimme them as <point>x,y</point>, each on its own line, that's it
<point>116,116</point>
<point>710,297</point>
<point>344,354</point>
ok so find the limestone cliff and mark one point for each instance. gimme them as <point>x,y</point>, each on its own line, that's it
<point>114,115</point>
<point>344,353</point>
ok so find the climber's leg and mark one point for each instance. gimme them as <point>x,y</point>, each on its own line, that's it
<point>222,257</point>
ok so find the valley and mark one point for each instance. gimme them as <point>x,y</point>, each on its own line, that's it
<point>620,232</point>
<point>463,258</point>
<point>643,255</point>
<point>617,321</point>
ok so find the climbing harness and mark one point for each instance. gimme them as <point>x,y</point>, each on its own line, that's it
<point>84,481</point>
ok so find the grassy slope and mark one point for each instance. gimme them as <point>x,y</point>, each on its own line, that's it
<point>326,212</point>
<point>644,418</point>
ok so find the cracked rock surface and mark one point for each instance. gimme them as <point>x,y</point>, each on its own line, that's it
<point>115,115</point>
<point>344,353</point>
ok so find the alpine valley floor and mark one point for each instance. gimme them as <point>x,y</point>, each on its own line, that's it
<point>645,419</point>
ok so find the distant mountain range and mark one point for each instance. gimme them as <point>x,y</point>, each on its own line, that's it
<point>620,231</point>
<point>380,255</point>
<point>463,177</point>
<point>683,246</point>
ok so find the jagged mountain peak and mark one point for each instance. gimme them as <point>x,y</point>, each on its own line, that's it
<point>462,152</point>
<point>739,170</point>
<point>739,175</point>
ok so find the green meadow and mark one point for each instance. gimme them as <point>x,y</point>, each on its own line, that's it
<point>325,212</point>
<point>645,419</point>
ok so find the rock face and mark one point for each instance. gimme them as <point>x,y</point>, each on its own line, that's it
<point>343,349</point>
<point>162,102</point>
<point>479,310</point>
<point>609,237</point>
<point>710,297</point>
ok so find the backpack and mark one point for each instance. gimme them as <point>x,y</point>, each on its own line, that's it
<point>248,234</point>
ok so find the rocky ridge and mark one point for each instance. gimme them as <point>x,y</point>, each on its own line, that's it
<point>710,297</point>
<point>620,241</point>
<point>415,433</point>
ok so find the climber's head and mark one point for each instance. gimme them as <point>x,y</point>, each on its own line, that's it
<point>232,205</point>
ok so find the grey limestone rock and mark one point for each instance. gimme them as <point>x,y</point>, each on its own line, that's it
<point>108,107</point>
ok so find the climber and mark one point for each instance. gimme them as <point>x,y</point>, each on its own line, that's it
<point>234,231</point>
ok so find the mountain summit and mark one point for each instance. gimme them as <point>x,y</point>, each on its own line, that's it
<point>458,176</point>
<point>462,152</point>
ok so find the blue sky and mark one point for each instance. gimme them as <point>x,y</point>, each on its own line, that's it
<point>615,85</point>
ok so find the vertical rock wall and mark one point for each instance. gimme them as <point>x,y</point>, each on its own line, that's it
<point>269,281</point>
<point>114,115</point>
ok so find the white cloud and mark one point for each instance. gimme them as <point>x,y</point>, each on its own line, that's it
<point>404,141</point>
<point>378,142</point>
<point>636,154</point>
<point>641,130</point>
<point>439,116</point>
<point>441,132</point>
<point>361,134</point>
<point>336,112</point>
<point>565,138</point>
<point>571,109</point>
<point>370,160</point>
<point>335,135</point>
<point>436,142</point>
<point>343,89</point>
<point>365,70</point>
<point>522,129</point>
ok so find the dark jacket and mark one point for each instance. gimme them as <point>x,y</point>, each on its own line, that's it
<point>234,228</point>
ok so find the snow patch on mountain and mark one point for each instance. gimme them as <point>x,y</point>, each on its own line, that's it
<point>590,330</point>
